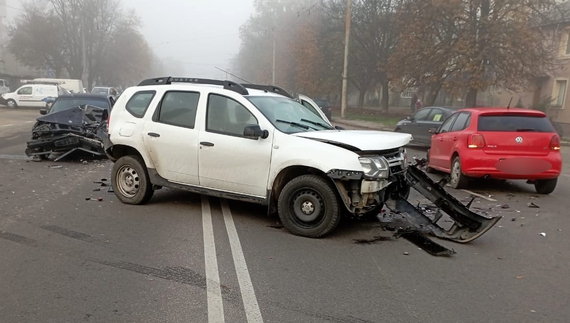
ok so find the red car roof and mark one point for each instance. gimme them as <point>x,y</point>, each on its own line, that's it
<point>504,110</point>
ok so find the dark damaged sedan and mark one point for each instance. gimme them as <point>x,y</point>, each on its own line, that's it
<point>73,124</point>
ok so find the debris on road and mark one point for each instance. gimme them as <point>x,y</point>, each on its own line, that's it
<point>372,240</point>
<point>99,199</point>
<point>406,253</point>
<point>55,166</point>
<point>532,205</point>
<point>505,206</point>
<point>543,234</point>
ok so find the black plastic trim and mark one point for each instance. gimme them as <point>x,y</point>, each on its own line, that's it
<point>228,85</point>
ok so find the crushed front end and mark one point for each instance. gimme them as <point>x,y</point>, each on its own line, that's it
<point>79,129</point>
<point>386,181</point>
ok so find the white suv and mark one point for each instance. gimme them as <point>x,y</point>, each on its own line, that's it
<point>253,143</point>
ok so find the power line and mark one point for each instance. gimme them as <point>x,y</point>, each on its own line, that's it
<point>233,75</point>
<point>194,39</point>
<point>12,7</point>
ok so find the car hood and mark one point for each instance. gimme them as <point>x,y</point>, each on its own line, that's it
<point>363,140</point>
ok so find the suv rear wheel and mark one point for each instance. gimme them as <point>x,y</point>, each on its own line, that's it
<point>308,207</point>
<point>545,186</point>
<point>130,180</point>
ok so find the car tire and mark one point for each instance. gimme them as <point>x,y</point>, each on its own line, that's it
<point>130,180</point>
<point>308,206</point>
<point>11,104</point>
<point>545,186</point>
<point>458,180</point>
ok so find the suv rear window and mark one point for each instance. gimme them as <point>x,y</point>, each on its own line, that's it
<point>514,123</point>
<point>139,102</point>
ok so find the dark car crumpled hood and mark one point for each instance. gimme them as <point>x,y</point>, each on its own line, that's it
<point>78,116</point>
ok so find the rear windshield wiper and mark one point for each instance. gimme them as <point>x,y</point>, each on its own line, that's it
<point>527,130</point>
<point>317,123</point>
<point>296,124</point>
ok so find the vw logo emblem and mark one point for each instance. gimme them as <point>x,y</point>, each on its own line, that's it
<point>519,140</point>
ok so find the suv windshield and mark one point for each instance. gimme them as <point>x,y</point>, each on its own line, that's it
<point>62,103</point>
<point>514,123</point>
<point>288,115</point>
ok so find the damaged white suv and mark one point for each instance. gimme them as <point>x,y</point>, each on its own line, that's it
<point>252,143</point>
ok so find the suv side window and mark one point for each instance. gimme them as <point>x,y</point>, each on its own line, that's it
<point>25,90</point>
<point>422,115</point>
<point>178,109</point>
<point>139,102</point>
<point>462,121</point>
<point>446,126</point>
<point>227,116</point>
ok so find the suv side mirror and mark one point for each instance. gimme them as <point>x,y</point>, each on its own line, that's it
<point>339,128</point>
<point>43,111</point>
<point>253,131</point>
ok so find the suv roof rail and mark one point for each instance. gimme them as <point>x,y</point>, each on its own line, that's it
<point>268,88</point>
<point>228,85</point>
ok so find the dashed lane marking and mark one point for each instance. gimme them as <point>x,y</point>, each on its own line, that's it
<point>250,303</point>
<point>213,288</point>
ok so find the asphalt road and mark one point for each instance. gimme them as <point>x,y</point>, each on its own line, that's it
<point>66,259</point>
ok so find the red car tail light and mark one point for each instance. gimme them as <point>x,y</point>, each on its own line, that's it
<point>476,141</point>
<point>555,143</point>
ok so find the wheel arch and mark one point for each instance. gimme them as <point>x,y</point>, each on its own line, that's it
<point>286,175</point>
<point>117,151</point>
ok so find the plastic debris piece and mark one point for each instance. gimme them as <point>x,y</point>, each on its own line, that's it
<point>520,277</point>
<point>406,253</point>
<point>532,205</point>
<point>543,234</point>
<point>55,166</point>
<point>505,206</point>
<point>96,190</point>
<point>513,219</point>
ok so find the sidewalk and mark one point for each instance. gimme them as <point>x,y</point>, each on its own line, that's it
<point>369,125</point>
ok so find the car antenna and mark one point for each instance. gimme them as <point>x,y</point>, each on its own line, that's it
<point>511,100</point>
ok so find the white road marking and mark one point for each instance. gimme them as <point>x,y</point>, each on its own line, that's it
<point>479,195</point>
<point>213,288</point>
<point>250,304</point>
<point>7,125</point>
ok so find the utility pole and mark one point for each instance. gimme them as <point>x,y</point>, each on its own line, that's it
<point>345,69</point>
<point>273,74</point>
<point>84,54</point>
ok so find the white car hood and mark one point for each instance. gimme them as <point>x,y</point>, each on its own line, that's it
<point>364,140</point>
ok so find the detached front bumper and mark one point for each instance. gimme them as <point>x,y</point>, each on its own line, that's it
<point>67,143</point>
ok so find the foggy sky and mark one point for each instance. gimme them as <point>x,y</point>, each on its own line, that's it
<point>201,34</point>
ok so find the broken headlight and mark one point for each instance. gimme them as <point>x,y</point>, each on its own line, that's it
<point>375,167</point>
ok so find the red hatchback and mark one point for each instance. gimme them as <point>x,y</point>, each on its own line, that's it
<point>503,143</point>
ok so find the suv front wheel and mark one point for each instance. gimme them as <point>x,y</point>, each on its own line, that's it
<point>130,180</point>
<point>308,207</point>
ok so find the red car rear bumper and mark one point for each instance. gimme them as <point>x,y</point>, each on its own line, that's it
<point>480,164</point>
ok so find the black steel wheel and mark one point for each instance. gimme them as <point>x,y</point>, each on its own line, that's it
<point>130,180</point>
<point>308,206</point>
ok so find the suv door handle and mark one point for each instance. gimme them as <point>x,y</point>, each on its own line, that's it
<point>206,143</point>
<point>154,134</point>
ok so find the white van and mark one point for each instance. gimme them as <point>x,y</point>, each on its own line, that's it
<point>31,95</point>
<point>74,86</point>
<point>4,87</point>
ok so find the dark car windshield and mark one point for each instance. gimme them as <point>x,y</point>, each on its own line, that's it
<point>514,123</point>
<point>100,90</point>
<point>288,115</point>
<point>63,103</point>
